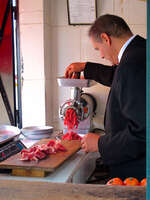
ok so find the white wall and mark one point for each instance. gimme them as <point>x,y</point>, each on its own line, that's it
<point>32,48</point>
<point>44,24</point>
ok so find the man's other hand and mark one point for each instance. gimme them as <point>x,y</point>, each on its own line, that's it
<point>74,67</point>
<point>89,143</point>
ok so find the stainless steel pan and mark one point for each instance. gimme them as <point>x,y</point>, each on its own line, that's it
<point>8,132</point>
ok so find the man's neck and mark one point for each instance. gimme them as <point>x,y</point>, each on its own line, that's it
<point>117,44</point>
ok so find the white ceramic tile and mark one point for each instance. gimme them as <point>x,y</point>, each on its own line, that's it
<point>30,5</point>
<point>134,12</point>
<point>47,52</point>
<point>65,48</point>
<point>48,102</point>
<point>137,12</point>
<point>139,29</point>
<point>47,5</point>
<point>47,18</point>
<point>104,7</point>
<point>33,102</point>
<point>32,50</point>
<point>47,11</point>
<point>121,8</point>
<point>31,17</point>
<point>58,12</point>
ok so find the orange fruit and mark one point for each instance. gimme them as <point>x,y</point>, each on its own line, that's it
<point>143,182</point>
<point>131,181</point>
<point>115,181</point>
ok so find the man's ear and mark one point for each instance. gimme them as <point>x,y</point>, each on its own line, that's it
<point>105,38</point>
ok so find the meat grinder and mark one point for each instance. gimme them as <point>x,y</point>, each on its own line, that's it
<point>84,104</point>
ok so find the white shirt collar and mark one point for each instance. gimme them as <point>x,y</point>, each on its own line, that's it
<point>124,47</point>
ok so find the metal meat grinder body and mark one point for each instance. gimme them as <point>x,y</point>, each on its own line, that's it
<point>84,105</point>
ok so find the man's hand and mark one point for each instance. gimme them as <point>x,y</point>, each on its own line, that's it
<point>89,143</point>
<point>74,67</point>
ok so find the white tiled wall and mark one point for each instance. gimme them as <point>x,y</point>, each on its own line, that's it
<point>33,101</point>
<point>134,12</point>
<point>32,49</point>
<point>49,44</point>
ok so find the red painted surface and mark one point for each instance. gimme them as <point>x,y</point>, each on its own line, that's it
<point>6,57</point>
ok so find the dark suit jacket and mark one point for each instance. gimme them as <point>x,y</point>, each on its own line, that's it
<point>123,147</point>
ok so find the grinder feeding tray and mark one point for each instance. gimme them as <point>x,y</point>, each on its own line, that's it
<point>84,104</point>
<point>80,83</point>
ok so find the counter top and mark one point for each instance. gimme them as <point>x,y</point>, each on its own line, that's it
<point>76,169</point>
<point>23,190</point>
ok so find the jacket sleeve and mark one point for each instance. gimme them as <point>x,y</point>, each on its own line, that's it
<point>100,73</point>
<point>129,142</point>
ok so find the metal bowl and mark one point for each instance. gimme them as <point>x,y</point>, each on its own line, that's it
<point>37,130</point>
<point>36,137</point>
<point>8,132</point>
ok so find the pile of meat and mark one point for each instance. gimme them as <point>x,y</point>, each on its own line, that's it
<point>71,121</point>
<point>71,136</point>
<point>41,151</point>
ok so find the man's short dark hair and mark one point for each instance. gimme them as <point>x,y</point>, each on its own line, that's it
<point>112,25</point>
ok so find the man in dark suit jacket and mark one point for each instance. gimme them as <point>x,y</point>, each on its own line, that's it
<point>123,147</point>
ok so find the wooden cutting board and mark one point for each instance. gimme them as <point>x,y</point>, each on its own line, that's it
<point>40,168</point>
